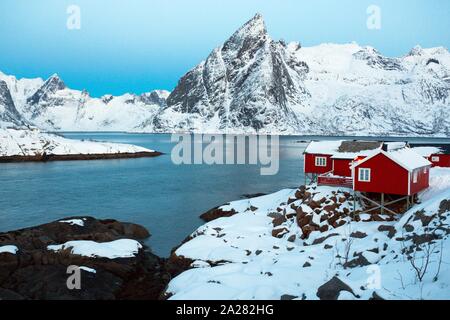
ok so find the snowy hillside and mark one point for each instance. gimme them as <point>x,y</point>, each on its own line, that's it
<point>50,105</point>
<point>253,83</point>
<point>262,253</point>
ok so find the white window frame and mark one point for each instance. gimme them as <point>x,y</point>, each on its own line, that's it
<point>321,161</point>
<point>425,170</point>
<point>415,176</point>
<point>435,159</point>
<point>362,176</point>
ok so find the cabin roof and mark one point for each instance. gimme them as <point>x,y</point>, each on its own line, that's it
<point>406,157</point>
<point>426,149</point>
<point>349,149</point>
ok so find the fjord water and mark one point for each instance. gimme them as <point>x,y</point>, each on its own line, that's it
<point>164,197</point>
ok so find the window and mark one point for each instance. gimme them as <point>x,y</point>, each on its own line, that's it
<point>321,161</point>
<point>364,174</point>
<point>435,159</point>
<point>425,170</point>
<point>415,176</point>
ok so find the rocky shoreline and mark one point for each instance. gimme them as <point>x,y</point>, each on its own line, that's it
<point>75,157</point>
<point>31,270</point>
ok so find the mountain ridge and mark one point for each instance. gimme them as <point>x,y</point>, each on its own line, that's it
<point>254,84</point>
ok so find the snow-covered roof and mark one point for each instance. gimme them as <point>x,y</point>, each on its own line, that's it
<point>406,157</point>
<point>323,147</point>
<point>427,151</point>
<point>339,149</point>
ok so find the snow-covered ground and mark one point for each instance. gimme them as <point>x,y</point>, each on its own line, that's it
<point>239,258</point>
<point>31,142</point>
<point>9,249</point>
<point>123,248</point>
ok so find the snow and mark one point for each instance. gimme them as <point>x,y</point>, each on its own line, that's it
<point>87,269</point>
<point>9,249</point>
<point>124,248</point>
<point>77,222</point>
<point>30,142</point>
<point>409,159</point>
<point>242,260</point>
<point>331,147</point>
<point>426,151</point>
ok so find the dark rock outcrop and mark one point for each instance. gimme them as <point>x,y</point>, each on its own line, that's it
<point>37,273</point>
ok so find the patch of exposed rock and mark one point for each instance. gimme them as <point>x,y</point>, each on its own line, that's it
<point>34,272</point>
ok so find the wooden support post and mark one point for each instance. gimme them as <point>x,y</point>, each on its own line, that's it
<point>382,203</point>
<point>407,203</point>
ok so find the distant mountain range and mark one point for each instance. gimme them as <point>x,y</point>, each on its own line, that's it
<point>253,84</point>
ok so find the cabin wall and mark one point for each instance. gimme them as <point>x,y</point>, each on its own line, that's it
<point>310,163</point>
<point>341,167</point>
<point>386,176</point>
<point>444,160</point>
<point>423,180</point>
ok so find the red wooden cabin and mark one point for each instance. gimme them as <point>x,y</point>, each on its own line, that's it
<point>437,154</point>
<point>329,162</point>
<point>401,172</point>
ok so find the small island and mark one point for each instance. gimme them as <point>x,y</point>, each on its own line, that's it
<point>33,145</point>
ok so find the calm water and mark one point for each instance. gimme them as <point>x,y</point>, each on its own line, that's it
<point>165,198</point>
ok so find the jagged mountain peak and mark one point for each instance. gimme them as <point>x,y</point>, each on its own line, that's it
<point>248,83</point>
<point>54,83</point>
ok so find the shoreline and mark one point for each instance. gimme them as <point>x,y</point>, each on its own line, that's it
<point>78,157</point>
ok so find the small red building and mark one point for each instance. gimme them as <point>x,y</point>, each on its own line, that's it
<point>400,172</point>
<point>437,154</point>
<point>329,162</point>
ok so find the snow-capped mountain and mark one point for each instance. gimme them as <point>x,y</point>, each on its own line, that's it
<point>51,105</point>
<point>255,84</point>
<point>252,84</point>
<point>247,84</point>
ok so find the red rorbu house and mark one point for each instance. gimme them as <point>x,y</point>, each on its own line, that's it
<point>401,172</point>
<point>437,154</point>
<point>329,162</point>
<point>372,169</point>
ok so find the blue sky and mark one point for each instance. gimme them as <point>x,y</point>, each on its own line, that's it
<point>140,45</point>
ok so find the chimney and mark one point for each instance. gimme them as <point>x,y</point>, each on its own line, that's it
<point>384,147</point>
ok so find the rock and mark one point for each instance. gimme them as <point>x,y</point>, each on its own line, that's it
<point>358,235</point>
<point>409,228</point>
<point>390,229</point>
<point>6,294</point>
<point>360,261</point>
<point>279,220</point>
<point>216,213</point>
<point>280,232</point>
<point>376,217</point>
<point>287,297</point>
<point>306,264</point>
<point>322,239</point>
<point>313,204</point>
<point>331,289</point>
<point>292,238</point>
<point>444,206</point>
<point>327,246</point>
<point>375,296</point>
<point>37,273</point>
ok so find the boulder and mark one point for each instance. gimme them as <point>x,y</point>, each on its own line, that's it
<point>331,289</point>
